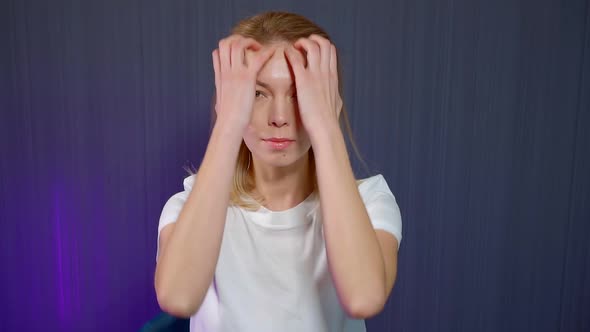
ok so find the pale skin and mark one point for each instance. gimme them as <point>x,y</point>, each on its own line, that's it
<point>289,91</point>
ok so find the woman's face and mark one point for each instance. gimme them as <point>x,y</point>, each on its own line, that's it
<point>275,135</point>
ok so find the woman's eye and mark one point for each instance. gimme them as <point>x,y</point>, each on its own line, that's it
<point>259,93</point>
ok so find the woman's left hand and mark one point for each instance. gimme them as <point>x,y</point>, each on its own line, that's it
<point>314,65</point>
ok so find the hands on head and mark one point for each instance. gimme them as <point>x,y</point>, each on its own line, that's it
<point>312,60</point>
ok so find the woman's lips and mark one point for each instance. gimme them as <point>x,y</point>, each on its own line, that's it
<point>278,144</point>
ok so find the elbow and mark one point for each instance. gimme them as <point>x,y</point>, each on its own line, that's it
<point>364,307</point>
<point>177,306</point>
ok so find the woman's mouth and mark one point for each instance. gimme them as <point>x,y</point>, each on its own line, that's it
<point>278,143</point>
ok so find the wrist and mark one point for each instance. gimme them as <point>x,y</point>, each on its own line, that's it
<point>227,131</point>
<point>325,134</point>
<point>228,127</point>
<point>328,142</point>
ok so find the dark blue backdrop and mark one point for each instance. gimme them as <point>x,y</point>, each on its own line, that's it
<point>477,113</point>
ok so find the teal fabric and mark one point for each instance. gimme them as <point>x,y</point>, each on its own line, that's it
<point>166,323</point>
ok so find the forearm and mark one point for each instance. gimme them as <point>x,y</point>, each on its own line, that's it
<point>187,264</point>
<point>354,255</point>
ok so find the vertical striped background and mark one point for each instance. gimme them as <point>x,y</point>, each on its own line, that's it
<point>476,112</point>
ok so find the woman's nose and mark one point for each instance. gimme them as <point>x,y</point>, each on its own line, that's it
<point>279,123</point>
<point>280,113</point>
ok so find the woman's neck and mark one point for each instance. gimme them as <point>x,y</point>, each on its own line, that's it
<point>285,187</point>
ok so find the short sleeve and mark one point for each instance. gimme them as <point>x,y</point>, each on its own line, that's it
<point>381,206</point>
<point>172,208</point>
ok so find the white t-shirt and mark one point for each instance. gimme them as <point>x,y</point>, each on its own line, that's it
<point>272,272</point>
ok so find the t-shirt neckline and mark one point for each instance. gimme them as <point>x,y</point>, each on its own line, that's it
<point>298,215</point>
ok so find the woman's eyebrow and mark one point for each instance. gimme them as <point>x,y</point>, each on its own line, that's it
<point>262,84</point>
<point>268,87</point>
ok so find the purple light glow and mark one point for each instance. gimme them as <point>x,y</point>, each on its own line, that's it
<point>66,259</point>
<point>58,239</point>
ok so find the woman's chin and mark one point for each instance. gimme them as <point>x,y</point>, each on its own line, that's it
<point>278,160</point>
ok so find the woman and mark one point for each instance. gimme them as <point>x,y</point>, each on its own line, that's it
<point>273,233</point>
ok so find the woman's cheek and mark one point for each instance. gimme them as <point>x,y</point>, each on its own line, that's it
<point>248,135</point>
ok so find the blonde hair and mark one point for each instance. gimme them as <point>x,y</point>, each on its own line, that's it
<point>267,28</point>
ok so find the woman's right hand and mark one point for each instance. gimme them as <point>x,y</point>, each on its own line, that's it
<point>235,79</point>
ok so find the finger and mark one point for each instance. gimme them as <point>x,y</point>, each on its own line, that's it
<point>237,52</point>
<point>251,44</point>
<point>312,52</point>
<point>239,47</point>
<point>325,51</point>
<point>333,61</point>
<point>216,70</point>
<point>295,60</point>
<point>261,58</point>
<point>224,54</point>
<point>334,66</point>
<point>247,44</point>
<point>225,51</point>
<point>296,57</point>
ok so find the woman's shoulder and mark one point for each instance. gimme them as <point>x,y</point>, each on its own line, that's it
<point>375,183</point>
<point>180,197</point>
<point>188,182</point>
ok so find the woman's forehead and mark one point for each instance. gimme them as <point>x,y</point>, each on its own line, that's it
<point>276,70</point>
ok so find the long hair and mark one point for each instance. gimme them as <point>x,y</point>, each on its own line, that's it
<point>267,28</point>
